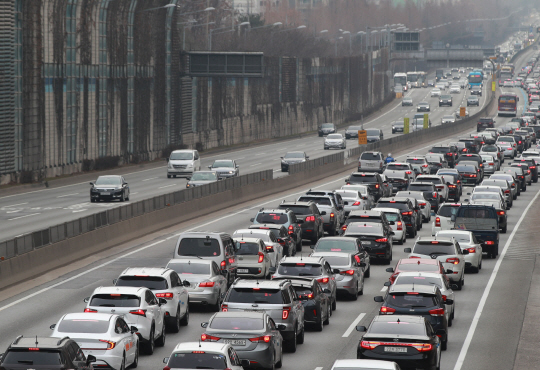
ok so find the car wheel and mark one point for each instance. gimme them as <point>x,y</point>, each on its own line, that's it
<point>123,198</point>
<point>92,200</point>
<point>367,273</point>
<point>185,319</point>
<point>135,362</point>
<point>361,292</point>
<point>279,364</point>
<point>161,340</point>
<point>300,338</point>
<point>475,269</point>
<point>291,344</point>
<point>444,344</point>
<point>389,259</point>
<point>168,176</point>
<point>150,345</point>
<point>334,304</point>
<point>503,230</point>
<point>354,296</point>
<point>328,314</point>
<point>123,364</point>
<point>174,322</point>
<point>450,321</point>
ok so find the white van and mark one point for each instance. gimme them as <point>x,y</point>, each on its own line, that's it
<point>183,163</point>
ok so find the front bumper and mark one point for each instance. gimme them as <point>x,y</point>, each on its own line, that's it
<point>111,196</point>
<point>188,171</point>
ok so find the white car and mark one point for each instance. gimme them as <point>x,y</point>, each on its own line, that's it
<point>443,218</point>
<point>164,283</point>
<point>204,355</point>
<point>445,250</point>
<point>274,249</point>
<point>105,336</point>
<point>439,183</point>
<point>336,141</point>
<point>454,89</point>
<point>352,200</point>
<point>364,191</point>
<point>436,92</point>
<point>183,163</point>
<point>140,308</point>
<point>393,215</point>
<point>448,119</point>
<point>508,83</point>
<point>425,206</point>
<point>466,240</point>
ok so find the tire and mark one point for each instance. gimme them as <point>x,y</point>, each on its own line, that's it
<point>319,326</point>
<point>123,199</point>
<point>150,345</point>
<point>290,345</point>
<point>283,169</point>
<point>361,292</point>
<point>279,364</point>
<point>301,337</point>
<point>332,232</point>
<point>328,313</point>
<point>450,321</point>
<point>475,269</point>
<point>185,320</point>
<point>217,306</point>
<point>162,338</point>
<point>444,344</point>
<point>299,246</point>
<point>503,230</point>
<point>334,304</point>
<point>92,200</point>
<point>368,272</point>
<point>354,297</point>
<point>389,259</point>
<point>123,364</point>
<point>460,284</point>
<point>174,323</point>
<point>136,359</point>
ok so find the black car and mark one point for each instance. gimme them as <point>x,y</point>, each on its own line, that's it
<point>520,141</point>
<point>372,180</point>
<point>453,186</point>
<point>110,187</point>
<point>312,225</point>
<point>408,212</point>
<point>429,190</point>
<point>408,340</point>
<point>474,158</point>
<point>352,132</point>
<point>445,100</point>
<point>347,245</point>
<point>400,180</point>
<point>317,305</point>
<point>469,174</point>
<point>470,144</point>
<point>533,166</point>
<point>292,158</point>
<point>484,122</point>
<point>275,218</point>
<point>366,216</point>
<point>525,167</point>
<point>327,128</point>
<point>282,236</point>
<point>375,238</point>
<point>41,352</point>
<point>447,151</point>
<point>418,300</point>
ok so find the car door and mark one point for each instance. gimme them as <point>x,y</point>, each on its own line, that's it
<point>128,340</point>
<point>332,278</point>
<point>196,161</point>
<point>297,305</point>
<point>181,291</point>
<point>276,336</point>
<point>155,311</point>
<point>340,207</point>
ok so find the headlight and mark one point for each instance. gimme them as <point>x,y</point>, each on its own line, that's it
<point>189,165</point>
<point>170,165</point>
<point>188,185</point>
<point>230,172</point>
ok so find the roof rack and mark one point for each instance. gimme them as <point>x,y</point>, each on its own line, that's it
<point>61,340</point>
<point>17,339</point>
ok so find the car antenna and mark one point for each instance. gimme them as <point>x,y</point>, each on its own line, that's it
<point>199,343</point>
<point>398,321</point>
<point>36,341</point>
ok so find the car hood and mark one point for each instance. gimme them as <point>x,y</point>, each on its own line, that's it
<point>333,140</point>
<point>292,161</point>
<point>200,182</point>
<point>222,169</point>
<point>181,161</point>
<point>107,187</point>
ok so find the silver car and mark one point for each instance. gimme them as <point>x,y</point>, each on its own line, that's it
<point>505,187</point>
<point>202,178</point>
<point>352,200</point>
<point>254,336</point>
<point>273,248</point>
<point>367,197</point>
<point>350,278</point>
<point>335,141</point>
<point>371,161</point>
<point>466,240</point>
<point>225,168</point>
<point>207,285</point>
<point>448,119</point>
<point>253,259</point>
<point>491,164</point>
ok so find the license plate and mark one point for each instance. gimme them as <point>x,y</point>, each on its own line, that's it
<point>105,193</point>
<point>366,242</point>
<point>395,349</point>
<point>235,342</point>
<point>243,271</point>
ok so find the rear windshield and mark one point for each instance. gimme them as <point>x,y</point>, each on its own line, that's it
<point>299,210</point>
<point>203,247</point>
<point>373,133</point>
<point>255,295</point>
<point>236,323</point>
<point>197,361</point>
<point>303,291</point>
<point>325,245</point>
<point>447,211</point>
<point>397,167</point>
<point>492,196</point>
<point>272,218</point>
<point>366,218</point>
<point>416,160</point>
<point>431,179</point>
<point>89,326</point>
<point>411,300</point>
<point>437,249</point>
<point>420,280</point>
<point>461,238</point>
<point>337,260</point>
<point>390,216</point>
<point>360,229</point>
<point>247,249</point>
<point>190,268</point>
<point>26,357</point>
<point>465,168</point>
<point>417,267</point>
<point>420,187</point>
<point>319,200</point>
<point>506,138</point>
<point>366,156</point>
<point>150,282</point>
<point>363,178</point>
<point>348,194</point>
<point>400,206</point>
<point>300,269</point>
<point>396,328</point>
<point>489,148</point>
<point>115,300</point>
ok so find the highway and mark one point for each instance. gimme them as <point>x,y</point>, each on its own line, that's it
<point>38,209</point>
<point>489,309</point>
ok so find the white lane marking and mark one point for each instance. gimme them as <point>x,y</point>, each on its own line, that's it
<point>353,325</point>
<point>151,178</point>
<point>240,158</point>
<point>14,205</point>
<point>479,310</point>
<point>16,218</point>
<point>256,164</point>
<point>384,289</point>
<point>318,368</point>
<point>277,170</point>
<point>67,195</point>
<point>133,193</point>
<point>14,211</point>
<point>80,210</point>
<point>260,154</point>
<point>166,186</point>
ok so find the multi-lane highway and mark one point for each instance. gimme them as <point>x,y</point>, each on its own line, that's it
<point>489,309</point>
<point>34,210</point>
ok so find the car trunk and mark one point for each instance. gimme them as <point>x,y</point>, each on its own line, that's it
<point>239,339</point>
<point>194,281</point>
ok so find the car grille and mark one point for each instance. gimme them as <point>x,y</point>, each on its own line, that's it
<point>179,166</point>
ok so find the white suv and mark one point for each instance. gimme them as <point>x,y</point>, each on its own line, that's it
<point>439,183</point>
<point>164,283</point>
<point>140,308</point>
<point>206,355</point>
<point>371,162</point>
<point>183,163</point>
<point>443,218</point>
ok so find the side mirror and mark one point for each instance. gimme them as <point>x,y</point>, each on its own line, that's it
<point>166,360</point>
<point>91,183</point>
<point>378,298</point>
<point>134,329</point>
<point>237,166</point>
<point>90,359</point>
<point>390,269</point>
<point>210,167</point>
<point>307,157</point>
<point>323,213</point>
<point>440,332</point>
<point>245,363</point>
<point>465,252</point>
<point>360,328</point>
<point>454,287</point>
<point>115,281</point>
<point>280,241</point>
<point>86,300</point>
<point>204,324</point>
<point>186,283</point>
<point>387,283</point>
<point>52,326</point>
<point>281,157</point>
<point>407,250</point>
<point>252,219</point>
<point>281,327</point>
<point>335,271</point>
<point>299,222</point>
<point>162,301</point>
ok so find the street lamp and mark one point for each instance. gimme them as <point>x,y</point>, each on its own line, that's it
<point>362,33</point>
<point>196,25</point>
<point>350,40</point>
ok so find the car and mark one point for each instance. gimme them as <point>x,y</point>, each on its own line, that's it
<point>327,128</point>
<point>426,302</point>
<point>273,248</point>
<point>292,158</point>
<point>431,83</point>
<point>343,244</point>
<point>164,283</point>
<point>253,258</point>
<point>476,90</point>
<point>508,150</point>
<point>435,92</point>
<point>440,185</point>
<point>139,307</point>
<point>406,101</point>
<point>436,161</point>
<point>285,217</point>
<point>505,188</point>
<point>282,236</point>
<point>423,107</point>
<point>425,206</point>
<point>508,83</point>
<point>317,304</point>
<point>332,216</point>
<point>349,273</point>
<point>398,126</point>
<point>400,180</point>
<point>364,191</point>
<point>401,166</point>
<point>519,174</point>
<point>207,285</point>
<point>447,251</point>
<point>532,162</point>
<point>441,86</point>
<point>98,334</point>
<point>484,123</point>
<point>396,222</point>
<point>473,100</point>
<point>33,351</point>
<point>445,100</point>
<point>498,204</point>
<point>336,198</point>
<point>526,171</point>
<point>311,220</point>
<point>352,201</point>
<point>183,163</point>
<point>411,345</point>
<point>469,173</point>
<point>315,267</point>
<point>375,237</point>
<point>202,178</point>
<point>494,150</point>
<point>225,168</point>
<point>510,178</point>
<point>491,164</point>
<point>366,216</point>
<point>204,355</point>
<point>415,265</point>
<point>448,119</point>
<point>387,186</point>
<point>352,131</point>
<point>408,212</point>
<point>467,241</point>
<point>336,141</point>
<point>455,89</point>
<point>374,135</point>
<point>254,336</point>
<point>110,187</point>
<point>419,160</point>
<point>457,114</point>
<point>448,151</point>
<point>373,181</point>
<point>277,298</point>
<point>364,365</point>
<point>371,161</point>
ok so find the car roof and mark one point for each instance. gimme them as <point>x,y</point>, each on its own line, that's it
<point>419,273</point>
<point>405,288</point>
<point>267,226</point>
<point>38,342</point>
<point>201,346</point>
<point>265,284</point>
<point>119,290</point>
<point>191,260</point>
<point>296,203</point>
<point>302,259</point>
<point>249,240</point>
<point>148,271</point>
<point>395,199</point>
<point>418,261</point>
<point>365,212</point>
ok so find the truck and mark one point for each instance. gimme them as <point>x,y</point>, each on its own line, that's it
<point>439,73</point>
<point>483,222</point>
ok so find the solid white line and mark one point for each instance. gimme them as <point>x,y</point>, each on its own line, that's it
<point>151,178</point>
<point>67,195</point>
<point>318,368</point>
<point>479,310</point>
<point>166,186</point>
<point>16,218</point>
<point>353,325</point>
<point>13,205</point>
<point>256,164</point>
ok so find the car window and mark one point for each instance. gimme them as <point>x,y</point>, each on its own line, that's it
<point>41,357</point>
<point>414,299</point>
<point>124,325</point>
<point>272,218</point>
<point>151,299</point>
<point>367,156</point>
<point>231,323</point>
<point>262,295</point>
<point>115,300</point>
<point>247,248</point>
<point>202,247</point>
<point>397,328</point>
<point>437,248</point>
<point>150,282</point>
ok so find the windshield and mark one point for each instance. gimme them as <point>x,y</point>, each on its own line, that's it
<point>508,139</point>
<point>320,201</point>
<point>115,300</point>
<point>108,180</point>
<point>420,187</point>
<point>325,245</point>
<point>190,268</point>
<point>89,326</point>
<point>448,118</point>
<point>204,176</point>
<point>150,282</point>
<point>252,234</point>
<point>397,167</point>
<point>26,357</point>
<point>300,269</point>
<point>299,210</point>
<point>197,361</point>
<point>202,247</point>
<point>363,178</point>
<point>227,164</point>
<point>440,150</point>
<point>272,218</point>
<point>489,148</point>
<point>494,196</point>
<point>234,323</point>
<point>373,133</point>
<point>182,156</point>
<point>327,125</point>
<point>429,248</point>
<point>294,155</point>
<point>391,204</point>
<point>460,237</point>
<point>368,156</point>
<point>348,194</point>
<point>255,295</point>
<point>335,261</point>
<point>354,128</point>
<point>391,216</point>
<point>411,300</point>
<point>334,136</point>
<point>420,280</point>
<point>447,211</point>
<point>247,249</point>
<point>463,168</point>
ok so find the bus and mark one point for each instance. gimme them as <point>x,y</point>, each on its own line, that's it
<point>401,79</point>
<point>507,104</point>
<point>475,78</point>
<point>412,79</point>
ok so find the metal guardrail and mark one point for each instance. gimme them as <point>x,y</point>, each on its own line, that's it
<point>317,162</point>
<point>38,239</point>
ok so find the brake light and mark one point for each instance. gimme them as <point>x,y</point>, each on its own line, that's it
<point>464,150</point>
<point>528,171</point>
<point>381,240</point>
<point>344,227</point>
<point>356,203</point>
<point>223,264</point>
<point>224,308</point>
<point>507,191</point>
<point>110,345</point>
<point>414,257</point>
<point>291,229</point>
<point>489,242</point>
<point>310,219</point>
<point>435,194</point>
<point>208,338</point>
<point>472,250</point>
<point>206,284</point>
<point>437,312</point>
<point>376,186</point>
<point>409,213</point>
<point>332,215</point>
<point>285,313</point>
<point>323,280</point>
<point>500,213</point>
<point>424,165</point>
<point>165,295</point>
<point>357,258</point>
<point>408,172</point>
<point>386,310</point>
<point>400,225</point>
<point>473,175</point>
<point>533,167</point>
<point>348,272</point>
<point>444,298</point>
<point>422,204</point>
<point>450,154</point>
<point>89,310</point>
<point>454,260</point>
<point>451,186</point>
<point>369,345</point>
<point>491,164</point>
<point>261,257</point>
<point>33,349</point>
<point>138,312</point>
<point>265,339</point>
<point>437,222</point>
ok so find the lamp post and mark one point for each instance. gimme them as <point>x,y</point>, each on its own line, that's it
<point>362,44</point>
<point>350,40</point>
<point>197,25</point>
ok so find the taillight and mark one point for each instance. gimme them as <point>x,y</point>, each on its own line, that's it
<point>437,222</point>
<point>422,204</point>
<point>437,312</point>
<point>344,227</point>
<point>165,295</point>
<point>138,312</point>
<point>265,339</point>
<point>285,313</point>
<point>500,213</point>
<point>507,191</point>
<point>533,167</point>
<point>408,172</point>
<point>89,310</point>
<point>323,280</point>
<point>400,225</point>
<point>166,368</point>
<point>291,229</point>
<point>450,154</point>
<point>454,260</point>
<point>357,258</point>
<point>332,215</point>
<point>528,171</point>
<point>110,345</point>
<point>424,165</point>
<point>261,257</point>
<point>356,203</point>
<point>310,219</point>
<point>381,240</point>
<point>444,298</point>
<point>376,186</point>
<point>348,272</point>
<point>491,164</point>
<point>209,338</point>
<point>435,194</point>
<point>223,264</point>
<point>471,250</point>
<point>206,284</point>
<point>386,310</point>
<point>464,150</point>
<point>369,345</point>
<point>224,307</point>
<point>409,213</point>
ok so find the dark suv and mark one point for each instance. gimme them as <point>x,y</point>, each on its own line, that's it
<point>372,180</point>
<point>285,217</point>
<point>421,300</point>
<point>312,225</point>
<point>448,153</point>
<point>484,122</point>
<point>366,216</point>
<point>45,353</point>
<point>407,212</point>
<point>470,144</point>
<point>430,192</point>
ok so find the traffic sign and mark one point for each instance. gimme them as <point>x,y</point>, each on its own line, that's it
<point>406,125</point>
<point>493,86</point>
<point>462,111</point>
<point>426,120</point>
<point>362,137</point>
